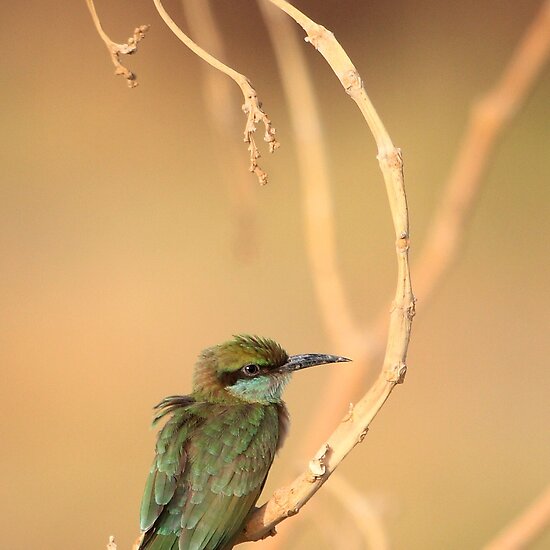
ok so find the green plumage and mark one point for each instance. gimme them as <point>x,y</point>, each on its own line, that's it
<point>215,449</point>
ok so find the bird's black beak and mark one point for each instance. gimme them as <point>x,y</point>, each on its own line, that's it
<point>298,362</point>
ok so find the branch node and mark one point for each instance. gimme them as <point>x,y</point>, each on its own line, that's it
<point>349,414</point>
<point>403,243</point>
<point>351,81</point>
<point>396,374</point>
<point>317,467</point>
<point>410,310</point>
<point>316,33</point>
<point>362,435</point>
<point>391,157</point>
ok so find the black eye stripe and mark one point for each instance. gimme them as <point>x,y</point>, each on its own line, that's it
<point>230,378</point>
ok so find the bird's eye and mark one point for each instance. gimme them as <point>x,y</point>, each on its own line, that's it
<point>251,370</point>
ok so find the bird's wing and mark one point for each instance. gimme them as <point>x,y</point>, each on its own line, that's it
<point>230,463</point>
<point>210,467</point>
<point>170,458</point>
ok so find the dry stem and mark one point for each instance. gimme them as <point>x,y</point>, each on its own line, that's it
<point>524,529</point>
<point>252,106</point>
<point>353,428</point>
<point>458,197</point>
<point>116,50</point>
<point>445,232</point>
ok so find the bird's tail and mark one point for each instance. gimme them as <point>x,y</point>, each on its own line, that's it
<point>154,541</point>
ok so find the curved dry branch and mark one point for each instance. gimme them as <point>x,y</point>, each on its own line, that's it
<point>353,428</point>
<point>252,106</point>
<point>444,236</point>
<point>488,119</point>
<point>116,50</point>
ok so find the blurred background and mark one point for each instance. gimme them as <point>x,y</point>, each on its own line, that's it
<point>119,264</point>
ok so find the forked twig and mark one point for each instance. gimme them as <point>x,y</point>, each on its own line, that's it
<point>116,50</point>
<point>252,106</point>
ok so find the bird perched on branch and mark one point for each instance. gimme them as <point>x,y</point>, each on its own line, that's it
<point>217,445</point>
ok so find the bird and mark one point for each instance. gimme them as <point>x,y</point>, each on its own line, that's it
<point>216,445</point>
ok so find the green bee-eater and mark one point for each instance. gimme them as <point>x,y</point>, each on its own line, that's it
<point>217,445</point>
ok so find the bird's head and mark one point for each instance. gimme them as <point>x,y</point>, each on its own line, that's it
<point>250,369</point>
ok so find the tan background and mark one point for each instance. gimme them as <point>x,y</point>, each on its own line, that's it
<point>117,264</point>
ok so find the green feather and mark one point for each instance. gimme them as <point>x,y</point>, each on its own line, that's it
<point>211,464</point>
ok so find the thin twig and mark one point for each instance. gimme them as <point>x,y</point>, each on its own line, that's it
<point>116,50</point>
<point>219,93</point>
<point>252,106</point>
<point>524,529</point>
<point>353,428</point>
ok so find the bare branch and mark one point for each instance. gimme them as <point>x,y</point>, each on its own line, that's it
<point>252,106</point>
<point>524,529</point>
<point>116,50</point>
<point>487,122</point>
<point>353,428</point>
